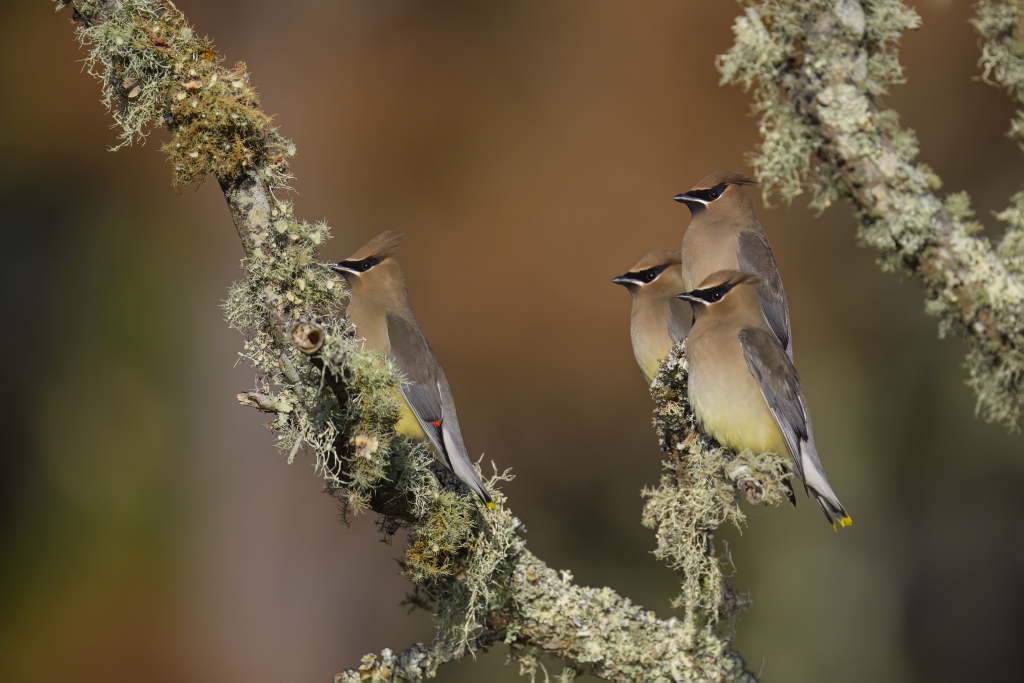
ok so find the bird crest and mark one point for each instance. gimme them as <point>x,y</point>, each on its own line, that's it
<point>381,247</point>
<point>727,177</point>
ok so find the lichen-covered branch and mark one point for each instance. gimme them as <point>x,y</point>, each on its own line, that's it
<point>542,613</point>
<point>1002,51</point>
<point>469,565</point>
<point>817,69</point>
<point>1001,25</point>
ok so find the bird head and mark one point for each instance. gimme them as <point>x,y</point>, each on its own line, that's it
<point>658,271</point>
<point>718,192</point>
<point>720,291</point>
<point>373,262</point>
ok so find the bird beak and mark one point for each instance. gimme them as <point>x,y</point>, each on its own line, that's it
<point>342,268</point>
<point>687,199</point>
<point>624,280</point>
<point>686,296</point>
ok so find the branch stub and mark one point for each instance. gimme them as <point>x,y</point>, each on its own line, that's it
<point>308,337</point>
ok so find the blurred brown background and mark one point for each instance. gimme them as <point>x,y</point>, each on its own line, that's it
<point>530,150</point>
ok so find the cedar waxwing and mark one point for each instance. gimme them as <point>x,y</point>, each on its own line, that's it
<point>743,387</point>
<point>724,234</point>
<point>659,319</point>
<point>380,311</point>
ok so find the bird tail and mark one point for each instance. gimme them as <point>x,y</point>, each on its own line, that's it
<point>790,494</point>
<point>834,511</point>
<point>467,473</point>
<point>815,480</point>
<point>464,470</point>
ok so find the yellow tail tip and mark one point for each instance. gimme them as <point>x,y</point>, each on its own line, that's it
<point>833,525</point>
<point>846,521</point>
<point>491,505</point>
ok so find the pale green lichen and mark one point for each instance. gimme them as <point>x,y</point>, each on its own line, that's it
<point>479,584</point>
<point>1001,25</point>
<point>156,70</point>
<point>770,50</point>
<point>1002,51</point>
<point>493,587</point>
<point>494,575</point>
<point>608,636</point>
<point>697,494</point>
<point>1011,247</point>
<point>816,70</point>
<point>282,273</point>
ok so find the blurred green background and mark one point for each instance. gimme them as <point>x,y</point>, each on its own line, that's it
<point>530,150</point>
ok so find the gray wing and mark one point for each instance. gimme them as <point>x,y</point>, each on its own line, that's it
<point>755,257</point>
<point>780,386</point>
<point>416,360</point>
<point>681,319</point>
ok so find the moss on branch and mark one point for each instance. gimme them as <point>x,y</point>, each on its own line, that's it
<point>469,565</point>
<point>817,69</point>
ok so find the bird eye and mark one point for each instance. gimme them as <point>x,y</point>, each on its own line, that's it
<point>651,275</point>
<point>717,296</point>
<point>714,194</point>
<point>365,265</point>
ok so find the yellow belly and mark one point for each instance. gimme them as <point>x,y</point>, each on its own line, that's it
<point>649,366</point>
<point>740,432</point>
<point>408,425</point>
<point>735,414</point>
<point>652,345</point>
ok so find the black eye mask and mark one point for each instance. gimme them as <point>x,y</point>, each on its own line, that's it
<point>711,295</point>
<point>648,276</point>
<point>360,266</point>
<point>708,195</point>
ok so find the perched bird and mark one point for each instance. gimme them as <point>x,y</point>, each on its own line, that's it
<point>724,233</point>
<point>659,319</point>
<point>743,387</point>
<point>380,311</point>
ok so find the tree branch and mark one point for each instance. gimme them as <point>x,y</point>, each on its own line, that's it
<point>817,69</point>
<point>1001,25</point>
<point>469,565</point>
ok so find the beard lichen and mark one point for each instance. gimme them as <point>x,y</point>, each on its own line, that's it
<point>156,70</point>
<point>999,22</point>
<point>697,494</point>
<point>1001,26</point>
<point>1011,247</point>
<point>777,44</point>
<point>817,70</point>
